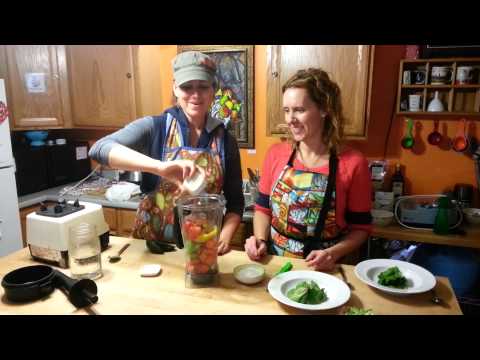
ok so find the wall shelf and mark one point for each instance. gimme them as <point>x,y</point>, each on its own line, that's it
<point>460,99</point>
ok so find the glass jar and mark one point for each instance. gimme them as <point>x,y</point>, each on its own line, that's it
<point>201,221</point>
<point>84,252</point>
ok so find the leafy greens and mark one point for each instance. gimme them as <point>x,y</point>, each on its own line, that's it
<point>307,292</point>
<point>392,277</point>
<point>358,311</point>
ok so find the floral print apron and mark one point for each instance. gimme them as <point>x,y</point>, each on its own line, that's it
<point>296,201</point>
<point>155,218</point>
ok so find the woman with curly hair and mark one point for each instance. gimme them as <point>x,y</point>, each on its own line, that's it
<point>314,194</point>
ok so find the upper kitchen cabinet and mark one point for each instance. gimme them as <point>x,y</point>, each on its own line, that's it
<point>112,85</point>
<point>350,66</point>
<point>37,86</point>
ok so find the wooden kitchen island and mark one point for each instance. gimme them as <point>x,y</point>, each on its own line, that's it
<point>122,290</point>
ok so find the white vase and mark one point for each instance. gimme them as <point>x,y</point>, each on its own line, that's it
<point>436,104</point>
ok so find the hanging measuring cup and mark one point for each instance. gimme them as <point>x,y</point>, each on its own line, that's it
<point>408,141</point>
<point>435,138</point>
<point>460,142</point>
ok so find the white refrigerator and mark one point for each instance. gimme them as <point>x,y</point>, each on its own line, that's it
<point>10,229</point>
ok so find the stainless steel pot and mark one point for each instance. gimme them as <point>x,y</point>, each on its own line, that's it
<point>132,176</point>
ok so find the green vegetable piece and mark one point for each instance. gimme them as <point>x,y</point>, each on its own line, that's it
<point>315,294</point>
<point>307,293</point>
<point>192,249</point>
<point>392,277</point>
<point>286,267</point>
<point>298,293</point>
<point>358,311</point>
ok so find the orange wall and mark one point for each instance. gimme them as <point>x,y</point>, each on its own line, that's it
<point>428,169</point>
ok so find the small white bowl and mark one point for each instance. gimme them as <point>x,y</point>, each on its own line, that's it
<point>249,274</point>
<point>472,215</point>
<point>382,217</point>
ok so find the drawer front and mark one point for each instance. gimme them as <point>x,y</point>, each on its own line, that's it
<point>110,215</point>
<point>125,219</point>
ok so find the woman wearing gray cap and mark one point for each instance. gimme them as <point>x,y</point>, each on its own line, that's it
<point>166,149</point>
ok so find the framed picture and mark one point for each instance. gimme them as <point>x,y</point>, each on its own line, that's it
<point>233,103</point>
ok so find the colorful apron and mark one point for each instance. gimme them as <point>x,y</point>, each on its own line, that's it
<point>300,221</point>
<point>155,218</point>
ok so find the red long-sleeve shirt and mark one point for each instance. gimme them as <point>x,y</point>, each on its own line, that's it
<point>353,184</point>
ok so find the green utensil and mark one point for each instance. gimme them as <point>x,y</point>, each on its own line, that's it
<point>408,141</point>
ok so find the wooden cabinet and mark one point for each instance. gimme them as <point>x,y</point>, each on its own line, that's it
<point>110,215</point>
<point>350,66</point>
<point>125,221</point>
<point>37,86</point>
<point>112,85</point>
<point>120,221</point>
<point>455,80</point>
<point>102,85</point>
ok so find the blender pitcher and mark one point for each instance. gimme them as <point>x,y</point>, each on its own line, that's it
<point>201,221</point>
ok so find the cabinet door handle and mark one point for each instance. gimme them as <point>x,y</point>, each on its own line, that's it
<point>129,76</point>
<point>275,74</point>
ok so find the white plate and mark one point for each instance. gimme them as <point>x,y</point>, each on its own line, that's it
<point>418,279</point>
<point>337,291</point>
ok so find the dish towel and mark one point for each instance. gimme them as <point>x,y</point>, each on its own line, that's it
<point>122,191</point>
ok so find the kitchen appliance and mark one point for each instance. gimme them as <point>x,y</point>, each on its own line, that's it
<point>48,229</point>
<point>419,212</point>
<point>463,194</point>
<point>10,230</point>
<point>201,220</point>
<point>29,283</point>
<point>131,176</point>
<point>35,282</point>
<point>43,167</point>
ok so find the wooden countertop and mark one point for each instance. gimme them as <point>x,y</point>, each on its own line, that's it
<point>121,290</point>
<point>397,232</point>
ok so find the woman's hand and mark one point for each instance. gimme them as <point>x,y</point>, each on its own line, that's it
<point>320,260</point>
<point>255,248</point>
<point>177,170</point>
<point>223,247</point>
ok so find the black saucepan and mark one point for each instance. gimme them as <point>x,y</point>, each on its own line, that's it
<point>29,283</point>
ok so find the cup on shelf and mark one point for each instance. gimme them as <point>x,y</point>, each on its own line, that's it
<point>418,77</point>
<point>441,75</point>
<point>464,75</point>
<point>414,102</point>
<point>407,77</point>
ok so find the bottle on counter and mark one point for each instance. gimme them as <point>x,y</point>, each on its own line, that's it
<point>398,182</point>
<point>441,225</point>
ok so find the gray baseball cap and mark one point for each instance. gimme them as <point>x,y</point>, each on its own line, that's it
<point>193,65</point>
